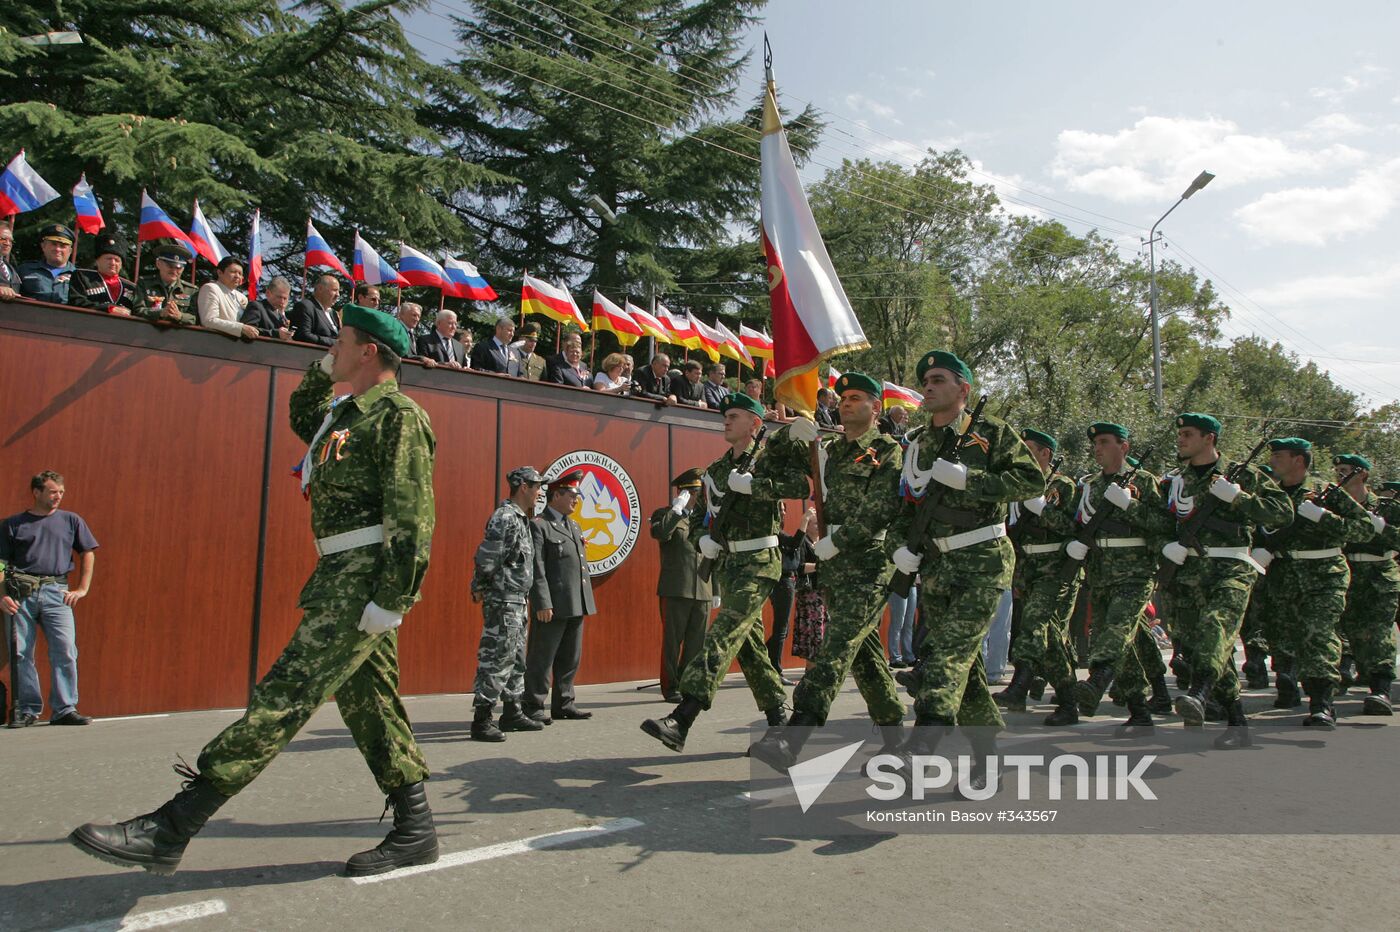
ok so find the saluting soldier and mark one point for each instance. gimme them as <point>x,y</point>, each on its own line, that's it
<point>47,279</point>
<point>369,474</point>
<point>102,288</point>
<point>1312,576</point>
<point>746,562</point>
<point>860,472</point>
<point>166,298</point>
<point>685,597</point>
<point>1368,622</point>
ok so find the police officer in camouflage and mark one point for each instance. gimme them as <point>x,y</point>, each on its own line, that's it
<point>860,471</point>
<point>505,570</point>
<point>368,472</point>
<point>1368,622</point>
<point>166,299</point>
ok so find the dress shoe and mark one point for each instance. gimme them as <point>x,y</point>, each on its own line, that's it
<point>513,719</point>
<point>541,716</point>
<point>71,717</point>
<point>23,720</point>
<point>571,714</point>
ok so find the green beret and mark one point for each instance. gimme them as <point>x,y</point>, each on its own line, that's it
<point>861,381</point>
<point>1391,485</point>
<point>690,479</point>
<point>1108,427</point>
<point>1352,459</point>
<point>938,359</point>
<point>1291,444</point>
<point>378,326</point>
<point>1205,423</point>
<point>740,400</point>
<point>1040,437</point>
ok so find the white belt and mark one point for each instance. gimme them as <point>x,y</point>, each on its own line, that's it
<point>1233,553</point>
<point>968,538</point>
<point>1370,557</point>
<point>1040,548</point>
<point>1115,543</point>
<point>833,528</point>
<point>1315,554</point>
<point>360,537</point>
<point>748,546</point>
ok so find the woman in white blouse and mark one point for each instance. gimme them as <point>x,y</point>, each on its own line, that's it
<point>610,377</point>
<point>221,303</point>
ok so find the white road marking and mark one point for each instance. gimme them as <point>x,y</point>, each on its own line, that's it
<point>505,849</point>
<point>132,718</point>
<point>155,919</point>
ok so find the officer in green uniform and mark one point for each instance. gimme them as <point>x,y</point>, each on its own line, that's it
<point>166,299</point>
<point>1209,594</point>
<point>860,472</point>
<point>101,288</point>
<point>1368,623</point>
<point>369,474</point>
<point>1312,577</point>
<point>685,597</point>
<point>746,562</point>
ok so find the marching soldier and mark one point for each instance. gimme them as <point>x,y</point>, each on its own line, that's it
<point>166,300</point>
<point>1368,622</point>
<point>746,561</point>
<point>685,597</point>
<point>102,288</point>
<point>1312,577</point>
<point>860,473</point>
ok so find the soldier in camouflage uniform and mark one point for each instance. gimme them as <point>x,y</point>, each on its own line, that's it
<point>369,474</point>
<point>746,562</point>
<point>860,472</point>
<point>166,300</point>
<point>1209,594</point>
<point>1255,668</point>
<point>1374,595</point>
<point>1312,577</point>
<point>505,569</point>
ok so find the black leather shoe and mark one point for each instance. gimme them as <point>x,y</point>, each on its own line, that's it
<point>71,718</point>
<point>571,714</point>
<point>412,840</point>
<point>155,841</point>
<point>23,720</point>
<point>541,716</point>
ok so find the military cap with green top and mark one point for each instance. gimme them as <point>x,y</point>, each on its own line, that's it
<point>1205,423</point>
<point>1040,437</point>
<point>1391,485</point>
<point>740,400</point>
<point>1110,428</point>
<point>1354,460</point>
<point>378,326</point>
<point>1291,444</point>
<point>941,359</point>
<point>690,479</point>
<point>861,382</point>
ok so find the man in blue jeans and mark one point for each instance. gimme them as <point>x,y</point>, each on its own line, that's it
<point>36,556</point>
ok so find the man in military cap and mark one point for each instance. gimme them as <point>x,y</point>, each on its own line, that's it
<point>742,491</point>
<point>1368,622</point>
<point>505,570</point>
<point>531,363</point>
<point>859,477</point>
<point>1312,577</point>
<point>47,279</point>
<point>166,300</point>
<point>685,597</point>
<point>1209,595</point>
<point>368,472</point>
<point>102,288</point>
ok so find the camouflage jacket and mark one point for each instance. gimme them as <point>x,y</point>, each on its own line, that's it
<point>373,464</point>
<point>1343,522</point>
<point>1387,541</point>
<point>779,471</point>
<point>1000,470</point>
<point>860,478</point>
<point>1260,502</point>
<point>1146,519</point>
<point>1054,525</point>
<point>505,559</point>
<point>151,296</point>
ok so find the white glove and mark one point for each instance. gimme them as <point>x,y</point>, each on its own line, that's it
<point>1311,510</point>
<point>709,548</point>
<point>1076,550</point>
<point>376,620</point>
<point>953,475</point>
<point>803,430</point>
<point>1224,489</point>
<point>1034,505</point>
<point>741,482</point>
<point>1263,556</point>
<point>1175,552</point>
<point>679,502</point>
<point>825,548</point>
<point>1118,496</point>
<point>327,361</point>
<point>907,561</point>
<point>1378,523</point>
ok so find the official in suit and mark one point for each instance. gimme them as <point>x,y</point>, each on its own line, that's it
<point>269,313</point>
<point>561,596</point>
<point>654,380</point>
<point>686,385</point>
<point>313,319</point>
<point>495,354</point>
<point>441,345</point>
<point>566,367</point>
<point>685,597</point>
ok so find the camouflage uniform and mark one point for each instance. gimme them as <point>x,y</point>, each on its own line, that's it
<point>1374,595</point>
<point>861,497</point>
<point>1047,599</point>
<point>373,464</point>
<point>505,564</point>
<point>152,294</point>
<point>961,586</point>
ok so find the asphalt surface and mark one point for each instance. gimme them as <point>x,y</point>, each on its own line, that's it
<point>655,839</point>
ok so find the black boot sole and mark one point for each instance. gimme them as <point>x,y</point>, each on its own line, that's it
<point>100,850</point>
<point>779,757</point>
<point>1191,711</point>
<point>1376,705</point>
<point>1087,698</point>
<point>516,726</point>
<point>1233,738</point>
<point>1319,721</point>
<point>1161,706</point>
<point>487,737</point>
<point>411,860</point>
<point>653,728</point>
<point>1052,724</point>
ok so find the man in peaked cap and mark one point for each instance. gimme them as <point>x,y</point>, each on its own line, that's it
<point>102,288</point>
<point>368,472</point>
<point>47,279</point>
<point>1373,596</point>
<point>685,597</point>
<point>166,297</point>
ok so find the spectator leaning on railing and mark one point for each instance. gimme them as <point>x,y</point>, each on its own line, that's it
<point>567,368</point>
<point>686,385</point>
<point>610,376</point>
<point>167,299</point>
<point>314,318</point>
<point>47,279</point>
<point>654,380</point>
<point>268,315</point>
<point>495,353</point>
<point>221,302</point>
<point>9,275</point>
<point>714,386</point>
<point>441,346</point>
<point>102,288</point>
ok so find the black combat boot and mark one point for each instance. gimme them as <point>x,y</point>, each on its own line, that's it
<point>776,717</point>
<point>483,729</point>
<point>984,747</point>
<point>1161,701</point>
<point>1014,695</point>
<point>155,841</point>
<point>928,732</point>
<point>1320,711</point>
<point>513,719</point>
<point>1236,733</point>
<point>779,746</point>
<point>1067,706</point>
<point>1286,682</point>
<point>1255,668</point>
<point>1089,693</point>
<point>1037,689</point>
<point>1215,712</point>
<point>909,679</point>
<point>1378,702</point>
<point>1139,718</point>
<point>1181,670</point>
<point>1347,669</point>
<point>411,841</point>
<point>1192,706</point>
<point>891,738</point>
<point>672,729</point>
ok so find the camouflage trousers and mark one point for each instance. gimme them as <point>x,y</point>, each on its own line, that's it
<point>326,655</point>
<point>855,605</point>
<point>1303,629</point>
<point>500,658</point>
<point>1043,642</point>
<point>1368,622</point>
<point>1254,632</point>
<point>1207,604</point>
<point>1118,616</point>
<point>953,678</point>
<point>737,631</point>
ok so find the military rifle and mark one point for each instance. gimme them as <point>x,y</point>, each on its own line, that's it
<point>1189,531</point>
<point>1089,533</point>
<point>720,523</point>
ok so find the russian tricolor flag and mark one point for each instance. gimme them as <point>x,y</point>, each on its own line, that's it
<point>368,267</point>
<point>202,237</point>
<point>417,269</point>
<point>85,204</point>
<point>467,282</point>
<point>21,188</point>
<point>319,252</point>
<point>156,223</point>
<point>255,255</point>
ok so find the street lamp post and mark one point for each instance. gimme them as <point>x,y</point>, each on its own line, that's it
<point>1203,179</point>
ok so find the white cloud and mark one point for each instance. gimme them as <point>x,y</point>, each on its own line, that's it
<point>1312,290</point>
<point>1332,125</point>
<point>1313,215</point>
<point>1360,78</point>
<point>863,104</point>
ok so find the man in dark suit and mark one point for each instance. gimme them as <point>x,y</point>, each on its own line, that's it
<point>495,354</point>
<point>441,346</point>
<point>654,380</point>
<point>313,319</point>
<point>567,367</point>
<point>269,313</point>
<point>687,387</point>
<point>561,596</point>
<point>685,597</point>
<point>9,275</point>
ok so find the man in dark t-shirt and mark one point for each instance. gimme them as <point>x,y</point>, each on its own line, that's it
<point>36,556</point>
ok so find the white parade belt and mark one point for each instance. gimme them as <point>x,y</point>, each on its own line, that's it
<point>968,538</point>
<point>748,546</point>
<point>1040,548</point>
<point>1371,557</point>
<point>1115,543</point>
<point>1232,553</point>
<point>833,528</point>
<point>360,537</point>
<point>1315,554</point>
